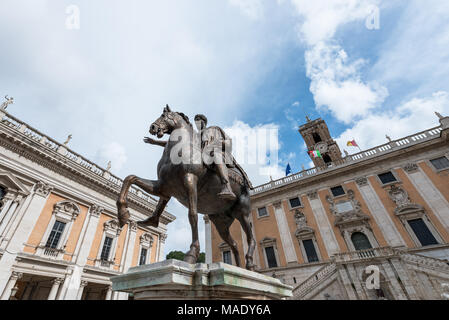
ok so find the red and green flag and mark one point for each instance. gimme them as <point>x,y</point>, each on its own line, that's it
<point>315,154</point>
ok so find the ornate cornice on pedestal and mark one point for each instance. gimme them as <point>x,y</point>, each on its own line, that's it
<point>312,194</point>
<point>163,237</point>
<point>277,204</point>
<point>410,167</point>
<point>16,275</point>
<point>96,210</point>
<point>84,283</point>
<point>57,280</point>
<point>133,226</point>
<point>43,189</point>
<point>361,181</point>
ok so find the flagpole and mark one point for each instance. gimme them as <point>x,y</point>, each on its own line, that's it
<point>357,144</point>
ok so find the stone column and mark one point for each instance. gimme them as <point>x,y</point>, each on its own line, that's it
<point>54,289</point>
<point>324,226</point>
<point>28,290</point>
<point>81,289</point>
<point>395,286</point>
<point>10,285</point>
<point>128,256</point>
<point>408,284</point>
<point>431,195</point>
<point>72,285</point>
<point>23,230</point>
<point>109,293</point>
<point>346,282</point>
<point>379,213</point>
<point>6,215</point>
<point>7,201</point>
<point>284,232</point>
<point>208,232</point>
<point>162,239</point>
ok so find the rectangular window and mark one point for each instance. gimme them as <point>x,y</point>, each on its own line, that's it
<point>262,212</point>
<point>387,177</point>
<point>55,235</point>
<point>309,247</point>
<point>337,191</point>
<point>271,257</point>
<point>422,232</point>
<point>227,257</point>
<point>2,193</point>
<point>106,249</point>
<point>143,257</point>
<point>440,163</point>
<point>295,202</point>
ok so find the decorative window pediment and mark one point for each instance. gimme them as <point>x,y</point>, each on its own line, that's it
<point>112,227</point>
<point>146,239</point>
<point>66,210</point>
<point>302,230</point>
<point>268,242</point>
<point>347,212</point>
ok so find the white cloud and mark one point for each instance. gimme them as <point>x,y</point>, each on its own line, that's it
<point>409,118</point>
<point>256,149</point>
<point>320,19</point>
<point>252,8</point>
<point>336,83</point>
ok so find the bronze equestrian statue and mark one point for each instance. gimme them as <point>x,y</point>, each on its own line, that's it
<point>219,188</point>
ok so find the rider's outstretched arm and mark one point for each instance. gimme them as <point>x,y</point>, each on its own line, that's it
<point>155,142</point>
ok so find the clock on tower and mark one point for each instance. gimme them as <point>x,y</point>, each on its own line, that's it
<point>317,137</point>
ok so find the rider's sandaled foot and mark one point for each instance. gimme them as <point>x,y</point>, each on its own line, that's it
<point>227,195</point>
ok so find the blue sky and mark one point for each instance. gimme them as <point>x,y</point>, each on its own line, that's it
<point>246,64</point>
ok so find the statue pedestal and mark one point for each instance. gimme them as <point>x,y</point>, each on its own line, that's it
<point>174,279</point>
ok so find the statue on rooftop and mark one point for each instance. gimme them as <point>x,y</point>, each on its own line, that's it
<point>68,140</point>
<point>198,170</point>
<point>7,102</point>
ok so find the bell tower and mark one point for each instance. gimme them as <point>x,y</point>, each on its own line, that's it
<point>317,137</point>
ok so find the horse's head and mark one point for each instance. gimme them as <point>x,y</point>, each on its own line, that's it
<point>167,122</point>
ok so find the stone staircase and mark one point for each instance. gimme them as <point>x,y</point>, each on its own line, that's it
<point>314,280</point>
<point>327,271</point>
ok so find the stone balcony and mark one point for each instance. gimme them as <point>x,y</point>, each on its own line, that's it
<point>354,158</point>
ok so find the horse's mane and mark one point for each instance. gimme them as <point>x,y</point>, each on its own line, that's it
<point>186,118</point>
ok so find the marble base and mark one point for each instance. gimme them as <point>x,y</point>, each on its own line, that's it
<point>174,279</point>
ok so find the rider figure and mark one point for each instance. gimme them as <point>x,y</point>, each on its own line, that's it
<point>218,144</point>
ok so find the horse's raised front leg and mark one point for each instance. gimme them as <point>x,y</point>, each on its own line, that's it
<point>150,186</point>
<point>153,221</point>
<point>190,183</point>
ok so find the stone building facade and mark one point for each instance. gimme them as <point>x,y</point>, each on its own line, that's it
<point>59,234</point>
<point>329,230</point>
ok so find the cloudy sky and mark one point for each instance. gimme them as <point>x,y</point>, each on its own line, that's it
<point>368,67</point>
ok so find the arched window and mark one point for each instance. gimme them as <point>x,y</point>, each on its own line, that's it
<point>360,241</point>
<point>316,137</point>
<point>326,158</point>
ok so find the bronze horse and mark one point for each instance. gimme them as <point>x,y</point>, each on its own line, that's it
<point>193,184</point>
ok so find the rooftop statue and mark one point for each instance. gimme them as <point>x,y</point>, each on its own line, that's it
<point>198,169</point>
<point>7,102</point>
